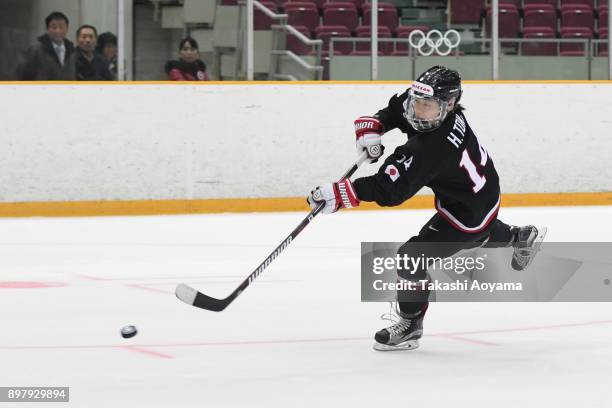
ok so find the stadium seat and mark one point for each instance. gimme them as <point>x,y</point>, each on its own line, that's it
<point>509,22</point>
<point>387,15</point>
<point>517,3</point>
<point>531,2</point>
<point>577,15</point>
<point>539,48</point>
<point>295,45</point>
<point>404,32</point>
<point>322,4</point>
<point>466,11</point>
<point>358,3</point>
<point>340,13</point>
<point>229,2</point>
<point>383,32</point>
<point>602,49</point>
<point>590,3</point>
<point>603,16</point>
<point>325,32</point>
<point>302,14</point>
<point>540,15</point>
<point>260,20</point>
<point>570,49</point>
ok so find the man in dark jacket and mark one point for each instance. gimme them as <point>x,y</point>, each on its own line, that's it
<point>52,58</point>
<point>89,65</point>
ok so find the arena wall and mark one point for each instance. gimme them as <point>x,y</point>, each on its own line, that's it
<point>160,141</point>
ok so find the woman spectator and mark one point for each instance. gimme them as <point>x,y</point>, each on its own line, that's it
<point>107,48</point>
<point>188,67</point>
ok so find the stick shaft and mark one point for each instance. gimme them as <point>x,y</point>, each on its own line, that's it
<point>198,299</point>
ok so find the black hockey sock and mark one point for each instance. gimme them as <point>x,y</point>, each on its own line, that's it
<point>501,235</point>
<point>412,308</point>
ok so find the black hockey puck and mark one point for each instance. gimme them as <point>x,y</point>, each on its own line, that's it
<point>606,281</point>
<point>128,331</point>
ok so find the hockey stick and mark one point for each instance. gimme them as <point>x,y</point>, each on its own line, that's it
<point>198,299</point>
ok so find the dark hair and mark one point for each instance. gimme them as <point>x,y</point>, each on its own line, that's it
<point>56,15</point>
<point>190,41</point>
<point>106,38</point>
<point>78,33</point>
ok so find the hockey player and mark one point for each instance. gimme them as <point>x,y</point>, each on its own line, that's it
<point>443,153</point>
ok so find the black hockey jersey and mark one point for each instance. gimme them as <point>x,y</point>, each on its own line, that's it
<point>449,160</point>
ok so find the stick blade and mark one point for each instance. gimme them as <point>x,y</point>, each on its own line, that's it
<point>189,295</point>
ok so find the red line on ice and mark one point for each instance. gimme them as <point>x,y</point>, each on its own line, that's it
<point>456,336</point>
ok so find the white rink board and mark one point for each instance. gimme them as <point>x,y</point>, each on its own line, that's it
<point>90,142</point>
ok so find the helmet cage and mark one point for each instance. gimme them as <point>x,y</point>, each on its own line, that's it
<point>420,124</point>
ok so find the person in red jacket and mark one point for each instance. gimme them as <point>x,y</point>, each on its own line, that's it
<point>188,67</point>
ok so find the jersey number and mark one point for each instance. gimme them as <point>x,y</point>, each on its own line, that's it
<point>469,166</point>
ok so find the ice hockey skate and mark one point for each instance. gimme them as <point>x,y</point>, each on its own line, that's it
<point>526,245</point>
<point>403,334</point>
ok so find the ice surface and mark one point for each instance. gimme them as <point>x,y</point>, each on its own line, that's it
<point>298,337</point>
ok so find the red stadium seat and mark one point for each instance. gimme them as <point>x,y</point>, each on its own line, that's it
<point>590,3</point>
<point>358,3</point>
<point>383,32</point>
<point>295,45</point>
<point>517,3</point>
<point>282,4</point>
<point>579,15</point>
<point>466,11</point>
<point>603,16</point>
<point>602,50</point>
<point>340,13</point>
<point>260,20</point>
<point>387,15</point>
<point>404,32</point>
<point>570,49</point>
<point>540,15</point>
<point>509,22</point>
<point>325,32</point>
<point>539,48</point>
<point>551,2</point>
<point>302,14</point>
<point>229,2</point>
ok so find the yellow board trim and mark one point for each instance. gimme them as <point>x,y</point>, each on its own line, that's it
<point>237,205</point>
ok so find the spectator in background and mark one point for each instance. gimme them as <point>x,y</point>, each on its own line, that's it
<point>107,48</point>
<point>188,67</point>
<point>52,58</point>
<point>89,65</point>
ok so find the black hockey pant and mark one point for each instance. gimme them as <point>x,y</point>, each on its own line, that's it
<point>439,239</point>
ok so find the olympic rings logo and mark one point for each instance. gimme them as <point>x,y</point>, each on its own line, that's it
<point>434,41</point>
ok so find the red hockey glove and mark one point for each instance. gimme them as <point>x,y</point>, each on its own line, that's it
<point>368,131</point>
<point>334,195</point>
